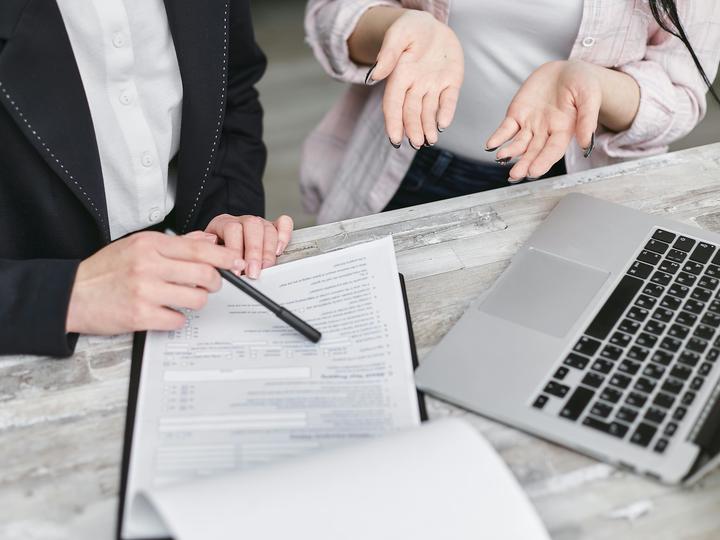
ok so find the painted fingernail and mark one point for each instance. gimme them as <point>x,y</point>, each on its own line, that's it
<point>503,161</point>
<point>395,145</point>
<point>427,144</point>
<point>532,178</point>
<point>253,271</point>
<point>412,145</point>
<point>280,248</point>
<point>589,150</point>
<point>515,180</point>
<point>368,77</point>
<point>239,265</point>
<point>491,149</point>
<point>441,130</point>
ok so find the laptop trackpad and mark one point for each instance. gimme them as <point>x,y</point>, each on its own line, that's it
<point>543,292</point>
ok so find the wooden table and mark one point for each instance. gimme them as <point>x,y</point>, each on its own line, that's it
<point>61,421</point>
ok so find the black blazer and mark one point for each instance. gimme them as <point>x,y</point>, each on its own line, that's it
<point>52,201</point>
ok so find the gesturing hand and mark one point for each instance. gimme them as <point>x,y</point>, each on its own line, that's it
<point>134,283</point>
<point>559,101</point>
<point>258,241</point>
<point>422,60</point>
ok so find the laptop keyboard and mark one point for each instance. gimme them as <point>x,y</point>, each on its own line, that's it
<point>640,363</point>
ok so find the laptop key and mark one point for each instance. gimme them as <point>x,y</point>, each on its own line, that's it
<point>697,345</point>
<point>645,301</point>
<point>612,352</point>
<point>701,295</point>
<point>614,307</point>
<point>688,319</point>
<point>664,400</point>
<point>610,395</point>
<point>688,398</point>
<point>643,434</point>
<point>678,332</point>
<point>693,268</point>
<point>636,399</point>
<point>655,327</point>
<point>653,290</point>
<point>716,258</point>
<point>620,381</point>
<point>602,366</point>
<point>708,283</point>
<point>671,344</point>
<point>660,446</point>
<point>714,307</point>
<point>654,371</point>
<point>664,236</point>
<point>626,414</point>
<point>711,319</point>
<point>702,253</point>
<point>561,373</point>
<point>593,379</point>
<point>657,246</point>
<point>576,361</point>
<point>684,243</point>
<point>620,340</point>
<point>705,369</point>
<point>694,306</point>
<point>662,357</point>
<point>663,314</point>
<point>676,255</point>
<point>670,429</point>
<point>640,269</point>
<point>683,278</point>
<point>669,266</point>
<point>577,403</point>
<point>696,383</point>
<point>712,271</point>
<point>681,291</point>
<point>646,340</point>
<point>615,429</point>
<point>629,367</point>
<point>704,332</point>
<point>638,314</point>
<point>670,302</point>
<point>637,353</point>
<point>661,278</point>
<point>655,415</point>
<point>556,389</point>
<point>601,410</point>
<point>679,413</point>
<point>689,358</point>
<point>681,372</point>
<point>587,346</point>
<point>540,402</point>
<point>712,355</point>
<point>643,384</point>
<point>672,386</point>
<point>631,327</point>
<point>649,257</point>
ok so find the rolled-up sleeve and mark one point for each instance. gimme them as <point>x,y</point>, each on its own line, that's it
<point>673,95</point>
<point>328,25</point>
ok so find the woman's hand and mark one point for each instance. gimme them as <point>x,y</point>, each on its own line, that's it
<point>422,60</point>
<point>134,283</point>
<point>258,241</point>
<point>559,101</point>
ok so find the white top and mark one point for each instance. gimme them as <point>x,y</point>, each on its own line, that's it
<point>128,66</point>
<point>504,42</point>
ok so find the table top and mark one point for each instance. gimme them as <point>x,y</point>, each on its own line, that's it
<point>62,421</point>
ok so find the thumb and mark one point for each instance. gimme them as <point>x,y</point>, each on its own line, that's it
<point>587,122</point>
<point>393,46</point>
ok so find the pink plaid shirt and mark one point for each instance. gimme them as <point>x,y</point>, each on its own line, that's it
<point>349,169</point>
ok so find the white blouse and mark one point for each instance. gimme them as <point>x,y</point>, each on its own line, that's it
<point>127,62</point>
<point>504,42</point>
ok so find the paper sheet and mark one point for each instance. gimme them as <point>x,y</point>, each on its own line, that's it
<point>439,481</point>
<point>236,388</point>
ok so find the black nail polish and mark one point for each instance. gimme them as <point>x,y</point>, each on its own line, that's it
<point>532,178</point>
<point>427,144</point>
<point>395,146</point>
<point>412,145</point>
<point>440,130</point>
<point>368,77</point>
<point>589,150</point>
<point>503,161</point>
<point>491,149</point>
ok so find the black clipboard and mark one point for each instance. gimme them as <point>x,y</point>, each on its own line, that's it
<point>134,385</point>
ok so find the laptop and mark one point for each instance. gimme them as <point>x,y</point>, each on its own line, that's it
<point>602,335</point>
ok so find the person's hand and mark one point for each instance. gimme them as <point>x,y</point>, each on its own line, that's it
<point>422,60</point>
<point>559,101</point>
<point>134,283</point>
<point>258,241</point>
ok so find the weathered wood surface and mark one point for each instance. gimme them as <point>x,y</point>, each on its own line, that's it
<point>61,421</point>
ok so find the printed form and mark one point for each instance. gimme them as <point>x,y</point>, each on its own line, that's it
<point>237,388</point>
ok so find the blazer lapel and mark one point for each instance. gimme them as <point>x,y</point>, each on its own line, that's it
<point>199,31</point>
<point>42,90</point>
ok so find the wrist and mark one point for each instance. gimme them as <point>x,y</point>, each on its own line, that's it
<point>620,99</point>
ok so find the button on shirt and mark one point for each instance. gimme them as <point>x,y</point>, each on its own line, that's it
<point>128,65</point>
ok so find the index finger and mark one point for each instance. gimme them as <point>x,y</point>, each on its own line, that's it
<point>507,130</point>
<point>393,101</point>
<point>193,250</point>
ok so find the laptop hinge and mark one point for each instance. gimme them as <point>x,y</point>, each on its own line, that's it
<point>706,435</point>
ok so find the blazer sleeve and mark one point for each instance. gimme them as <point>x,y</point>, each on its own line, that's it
<point>673,96</point>
<point>34,299</point>
<point>328,26</point>
<point>235,186</point>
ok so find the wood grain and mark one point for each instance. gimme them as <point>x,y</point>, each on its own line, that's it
<point>61,421</point>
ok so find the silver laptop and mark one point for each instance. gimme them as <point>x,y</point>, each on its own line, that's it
<point>602,335</point>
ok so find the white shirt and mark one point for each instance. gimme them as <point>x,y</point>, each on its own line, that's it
<point>128,66</point>
<point>504,42</point>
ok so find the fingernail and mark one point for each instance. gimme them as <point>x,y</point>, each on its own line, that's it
<point>280,248</point>
<point>589,150</point>
<point>253,270</point>
<point>239,265</point>
<point>395,145</point>
<point>491,149</point>
<point>515,180</point>
<point>368,77</point>
<point>532,178</point>
<point>412,145</point>
<point>503,161</point>
<point>427,144</point>
<point>441,130</point>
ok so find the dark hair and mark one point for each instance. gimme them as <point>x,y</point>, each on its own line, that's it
<point>666,14</point>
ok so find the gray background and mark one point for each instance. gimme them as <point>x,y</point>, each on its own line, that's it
<point>296,93</point>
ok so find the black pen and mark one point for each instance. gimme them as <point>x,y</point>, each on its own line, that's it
<point>280,312</point>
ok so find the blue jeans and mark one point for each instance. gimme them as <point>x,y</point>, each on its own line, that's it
<point>435,175</point>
